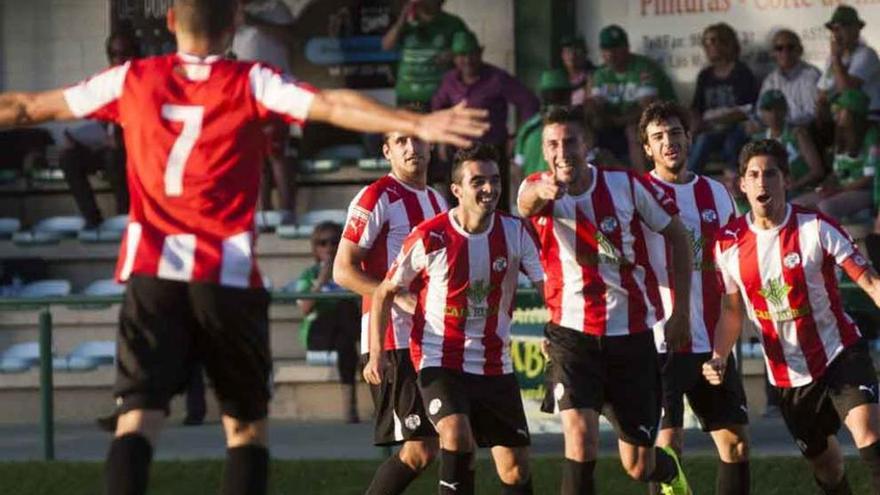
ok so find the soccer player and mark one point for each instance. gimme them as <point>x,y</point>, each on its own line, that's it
<point>379,219</point>
<point>601,349</point>
<point>779,263</point>
<point>704,205</point>
<point>463,267</point>
<point>192,126</point>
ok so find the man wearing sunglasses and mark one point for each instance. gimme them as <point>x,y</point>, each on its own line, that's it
<point>794,77</point>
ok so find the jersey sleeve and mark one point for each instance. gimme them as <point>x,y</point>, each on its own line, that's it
<point>410,262</point>
<point>366,215</point>
<point>840,246</point>
<point>98,96</point>
<point>530,262</point>
<point>654,206</point>
<point>726,280</point>
<point>280,95</point>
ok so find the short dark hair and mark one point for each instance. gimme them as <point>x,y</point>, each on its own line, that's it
<point>725,34</point>
<point>788,33</point>
<point>662,111</point>
<point>477,153</point>
<point>207,18</point>
<point>563,114</point>
<point>764,147</point>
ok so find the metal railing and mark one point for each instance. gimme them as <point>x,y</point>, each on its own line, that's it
<point>44,305</point>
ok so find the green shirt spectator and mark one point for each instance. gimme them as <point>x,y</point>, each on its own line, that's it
<point>423,33</point>
<point>623,90</point>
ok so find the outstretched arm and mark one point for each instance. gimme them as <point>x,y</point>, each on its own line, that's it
<point>21,109</point>
<point>352,110</point>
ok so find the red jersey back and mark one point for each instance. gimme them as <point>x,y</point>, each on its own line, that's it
<point>195,146</point>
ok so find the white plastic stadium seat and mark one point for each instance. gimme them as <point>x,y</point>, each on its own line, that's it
<point>65,225</point>
<point>46,288</point>
<point>110,230</point>
<point>9,226</point>
<point>101,351</point>
<point>341,152</point>
<point>20,357</point>
<point>104,287</point>
<point>31,238</point>
<point>267,220</point>
<point>308,220</point>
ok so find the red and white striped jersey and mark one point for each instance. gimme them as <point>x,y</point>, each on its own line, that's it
<point>466,285</point>
<point>195,149</point>
<point>787,278</point>
<point>704,205</point>
<point>379,219</point>
<point>594,253</point>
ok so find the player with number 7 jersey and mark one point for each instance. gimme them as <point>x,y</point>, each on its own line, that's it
<point>192,124</point>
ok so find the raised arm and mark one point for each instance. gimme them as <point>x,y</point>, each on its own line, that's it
<point>22,109</point>
<point>534,195</point>
<point>352,110</point>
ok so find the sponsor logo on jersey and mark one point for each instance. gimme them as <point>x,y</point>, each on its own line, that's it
<point>775,292</point>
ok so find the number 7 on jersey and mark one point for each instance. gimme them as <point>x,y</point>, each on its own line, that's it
<point>191,118</point>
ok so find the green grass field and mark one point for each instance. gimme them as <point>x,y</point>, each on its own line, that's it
<point>770,476</point>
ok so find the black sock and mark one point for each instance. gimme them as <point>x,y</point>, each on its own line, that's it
<point>871,457</point>
<point>246,471</point>
<point>841,488</point>
<point>577,477</point>
<point>456,474</point>
<point>392,477</point>
<point>664,467</point>
<point>733,478</point>
<point>524,488</point>
<point>128,465</point>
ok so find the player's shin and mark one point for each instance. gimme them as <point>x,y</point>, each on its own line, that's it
<point>577,477</point>
<point>246,471</point>
<point>456,473</point>
<point>128,465</point>
<point>871,457</point>
<point>733,478</point>
<point>392,477</point>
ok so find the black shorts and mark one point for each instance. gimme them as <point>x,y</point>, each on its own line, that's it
<point>616,376</point>
<point>400,413</point>
<point>816,410</point>
<point>166,327</point>
<point>493,404</point>
<point>715,406</point>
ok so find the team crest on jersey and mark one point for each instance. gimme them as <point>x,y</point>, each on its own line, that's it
<point>500,264</point>
<point>791,260</point>
<point>708,216</point>
<point>412,421</point>
<point>859,260</point>
<point>359,218</point>
<point>608,224</point>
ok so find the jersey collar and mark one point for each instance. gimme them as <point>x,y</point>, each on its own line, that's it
<point>195,59</point>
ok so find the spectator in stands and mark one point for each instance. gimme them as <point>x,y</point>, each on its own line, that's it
<point>93,146</point>
<point>794,77</point>
<point>264,35</point>
<point>850,189</point>
<point>618,91</point>
<point>488,87</point>
<point>804,161</point>
<point>332,325</point>
<point>851,64</point>
<point>725,95</point>
<point>424,34</point>
<point>573,52</point>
